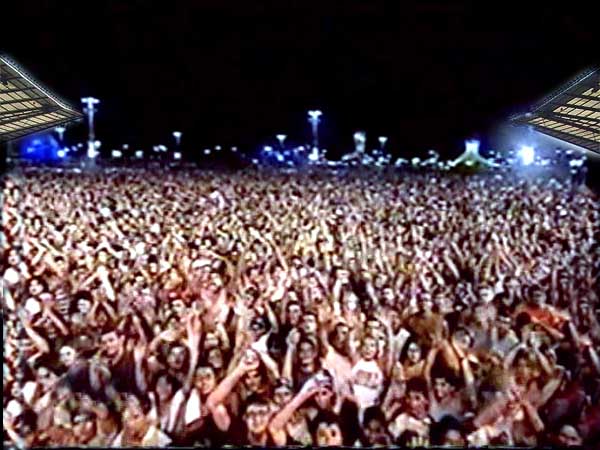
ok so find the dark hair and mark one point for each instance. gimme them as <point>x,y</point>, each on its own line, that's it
<point>174,382</point>
<point>373,413</point>
<point>417,384</point>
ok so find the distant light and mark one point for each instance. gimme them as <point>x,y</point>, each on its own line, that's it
<point>315,114</point>
<point>234,149</point>
<point>415,161</point>
<point>177,134</point>
<point>207,151</point>
<point>125,146</point>
<point>177,155</point>
<point>139,154</point>
<point>472,146</point>
<point>281,138</point>
<point>61,153</point>
<point>268,148</point>
<point>162,148</point>
<point>280,157</point>
<point>97,144</point>
<point>79,145</point>
<point>527,155</point>
<point>255,161</point>
<point>74,148</point>
<point>116,154</point>
<point>382,140</point>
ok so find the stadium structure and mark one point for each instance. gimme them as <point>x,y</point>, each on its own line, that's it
<point>571,113</point>
<point>26,107</point>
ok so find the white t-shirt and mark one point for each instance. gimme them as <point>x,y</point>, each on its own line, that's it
<point>367,383</point>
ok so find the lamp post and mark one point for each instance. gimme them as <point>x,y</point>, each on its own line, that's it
<point>382,142</point>
<point>314,119</point>
<point>281,138</point>
<point>90,110</point>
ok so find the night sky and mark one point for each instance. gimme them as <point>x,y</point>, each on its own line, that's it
<point>237,73</point>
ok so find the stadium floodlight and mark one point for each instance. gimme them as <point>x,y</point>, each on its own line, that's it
<point>90,102</point>
<point>382,141</point>
<point>217,148</point>
<point>177,135</point>
<point>527,155</point>
<point>60,130</point>
<point>61,153</point>
<point>125,146</point>
<point>281,138</point>
<point>314,119</point>
<point>207,151</point>
<point>268,148</point>
<point>234,149</point>
<point>116,154</point>
<point>139,154</point>
<point>177,155</point>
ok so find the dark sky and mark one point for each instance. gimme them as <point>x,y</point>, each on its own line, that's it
<point>237,73</point>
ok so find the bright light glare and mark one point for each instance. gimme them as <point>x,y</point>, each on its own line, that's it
<point>139,154</point>
<point>527,155</point>
<point>177,155</point>
<point>472,146</point>
<point>61,153</point>
<point>116,154</point>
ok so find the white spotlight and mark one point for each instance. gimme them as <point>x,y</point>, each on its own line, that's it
<point>527,155</point>
<point>139,154</point>
<point>116,154</point>
<point>177,155</point>
<point>61,153</point>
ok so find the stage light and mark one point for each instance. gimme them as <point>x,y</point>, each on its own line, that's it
<point>280,157</point>
<point>207,151</point>
<point>527,155</point>
<point>97,144</point>
<point>139,154</point>
<point>234,149</point>
<point>125,146</point>
<point>79,145</point>
<point>60,153</point>
<point>268,148</point>
<point>217,148</point>
<point>177,155</point>
<point>116,154</point>
<point>472,146</point>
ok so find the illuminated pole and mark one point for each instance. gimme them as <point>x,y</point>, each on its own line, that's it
<point>281,138</point>
<point>382,141</point>
<point>90,110</point>
<point>60,130</point>
<point>314,119</point>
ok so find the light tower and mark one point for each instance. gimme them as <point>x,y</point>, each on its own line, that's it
<point>90,110</point>
<point>281,138</point>
<point>60,130</point>
<point>382,142</point>
<point>314,119</point>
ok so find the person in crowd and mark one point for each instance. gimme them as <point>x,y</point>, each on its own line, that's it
<point>181,307</point>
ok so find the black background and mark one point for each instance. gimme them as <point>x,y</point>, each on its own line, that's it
<point>427,75</point>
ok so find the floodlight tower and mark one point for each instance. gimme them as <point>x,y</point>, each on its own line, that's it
<point>314,119</point>
<point>382,142</point>
<point>60,130</point>
<point>90,110</point>
<point>281,138</point>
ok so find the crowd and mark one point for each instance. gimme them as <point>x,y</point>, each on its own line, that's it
<point>178,308</point>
